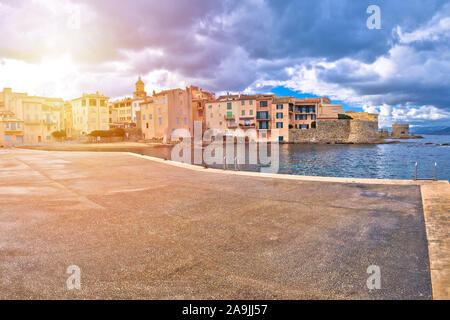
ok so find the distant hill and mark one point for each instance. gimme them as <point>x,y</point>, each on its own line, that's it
<point>432,130</point>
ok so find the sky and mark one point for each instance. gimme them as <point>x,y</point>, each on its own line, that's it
<point>63,48</point>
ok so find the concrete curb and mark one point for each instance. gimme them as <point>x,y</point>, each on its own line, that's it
<point>289,176</point>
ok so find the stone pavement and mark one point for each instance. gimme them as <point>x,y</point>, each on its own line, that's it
<point>142,229</point>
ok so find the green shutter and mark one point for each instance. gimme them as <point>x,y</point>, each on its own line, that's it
<point>229,105</point>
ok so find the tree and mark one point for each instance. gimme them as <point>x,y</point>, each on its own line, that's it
<point>313,125</point>
<point>344,116</point>
<point>59,134</point>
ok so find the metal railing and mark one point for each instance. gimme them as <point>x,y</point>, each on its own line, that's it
<point>435,172</point>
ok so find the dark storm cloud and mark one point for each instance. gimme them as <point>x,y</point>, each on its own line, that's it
<point>232,45</point>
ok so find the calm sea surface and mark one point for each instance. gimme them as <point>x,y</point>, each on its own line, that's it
<point>384,161</point>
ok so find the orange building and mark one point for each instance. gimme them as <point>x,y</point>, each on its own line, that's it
<point>166,111</point>
<point>266,113</point>
<point>199,98</point>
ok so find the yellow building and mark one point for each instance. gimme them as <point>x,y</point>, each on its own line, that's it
<point>11,128</point>
<point>68,119</point>
<point>89,113</point>
<point>123,112</point>
<point>41,116</point>
<point>363,116</point>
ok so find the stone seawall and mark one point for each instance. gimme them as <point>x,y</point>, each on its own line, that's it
<point>338,131</point>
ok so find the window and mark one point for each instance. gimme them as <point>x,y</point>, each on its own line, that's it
<point>243,112</point>
<point>164,100</point>
<point>7,137</point>
<point>263,104</point>
<point>185,121</point>
<point>279,125</point>
<point>212,115</point>
<point>143,117</point>
<point>263,125</point>
<point>220,123</point>
<point>178,120</point>
<point>251,111</point>
<point>264,115</point>
<point>156,101</point>
<point>242,102</point>
<point>146,125</point>
<point>210,107</point>
<point>335,110</point>
<point>229,114</point>
<point>280,138</point>
<point>159,110</point>
<point>229,106</point>
<point>181,111</point>
<point>279,115</point>
<point>251,102</point>
<point>7,125</point>
<point>279,106</point>
<point>150,117</point>
<point>160,121</point>
<point>83,103</point>
<point>92,102</point>
<point>102,103</point>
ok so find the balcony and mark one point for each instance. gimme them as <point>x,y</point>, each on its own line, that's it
<point>232,125</point>
<point>248,125</point>
<point>13,131</point>
<point>32,122</point>
<point>227,117</point>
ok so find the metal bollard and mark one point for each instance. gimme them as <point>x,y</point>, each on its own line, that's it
<point>236,164</point>
<point>415,172</point>
<point>435,168</point>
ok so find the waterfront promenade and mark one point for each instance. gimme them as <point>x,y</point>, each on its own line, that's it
<point>147,228</point>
